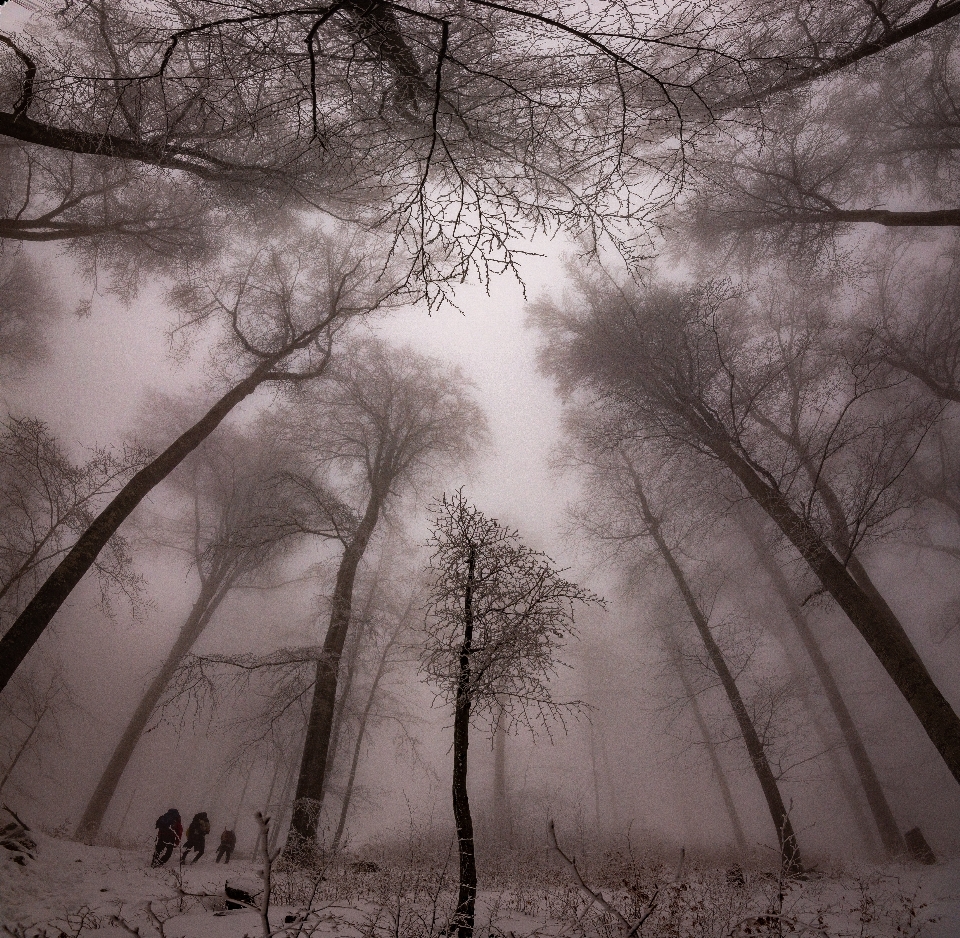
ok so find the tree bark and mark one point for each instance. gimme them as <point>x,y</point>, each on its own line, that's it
<point>934,218</point>
<point>211,595</point>
<point>786,838</point>
<point>891,645</point>
<point>309,796</point>
<point>873,791</point>
<point>30,624</point>
<point>466,899</point>
<point>35,230</point>
<point>189,159</point>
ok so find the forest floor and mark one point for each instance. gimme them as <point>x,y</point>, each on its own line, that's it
<point>72,889</point>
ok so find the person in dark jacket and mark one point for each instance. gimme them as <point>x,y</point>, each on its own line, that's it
<point>196,836</point>
<point>169,831</point>
<point>228,840</point>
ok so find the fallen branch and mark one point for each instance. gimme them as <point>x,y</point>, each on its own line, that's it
<point>629,929</point>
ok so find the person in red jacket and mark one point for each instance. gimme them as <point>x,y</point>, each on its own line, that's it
<point>169,832</point>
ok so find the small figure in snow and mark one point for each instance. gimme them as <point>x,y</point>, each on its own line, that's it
<point>228,840</point>
<point>169,832</point>
<point>196,836</point>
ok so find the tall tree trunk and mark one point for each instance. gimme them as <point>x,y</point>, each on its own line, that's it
<point>336,728</point>
<point>786,838</point>
<point>285,805</point>
<point>501,793</point>
<point>354,655</point>
<point>890,644</point>
<point>718,771</point>
<point>918,218</point>
<point>611,786</point>
<point>841,538</point>
<point>873,791</point>
<point>309,796</point>
<point>361,732</point>
<point>467,896</point>
<point>214,589</point>
<point>596,781</point>
<point>30,624</point>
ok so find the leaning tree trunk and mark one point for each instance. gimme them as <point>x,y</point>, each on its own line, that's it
<point>873,791</point>
<point>361,733</point>
<point>886,639</point>
<point>336,727</point>
<point>786,838</point>
<point>841,538</point>
<point>30,624</point>
<point>344,693</point>
<point>309,796</point>
<point>718,771</point>
<point>214,589</point>
<point>467,896</point>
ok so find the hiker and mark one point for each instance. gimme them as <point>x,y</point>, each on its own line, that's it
<point>196,836</point>
<point>169,832</point>
<point>228,840</point>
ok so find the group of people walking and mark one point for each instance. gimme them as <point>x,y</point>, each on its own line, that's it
<point>170,833</point>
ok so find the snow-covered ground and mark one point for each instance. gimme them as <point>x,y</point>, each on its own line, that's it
<point>73,889</point>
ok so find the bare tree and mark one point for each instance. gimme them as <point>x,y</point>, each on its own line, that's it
<point>909,319</point>
<point>112,217</point>
<point>664,360</point>
<point>236,528</point>
<point>709,742</point>
<point>280,309</point>
<point>29,308</point>
<point>46,500</point>
<point>621,508</point>
<point>392,642</point>
<point>453,124</point>
<point>269,696</point>
<point>388,420</point>
<point>850,428</point>
<point>880,808</point>
<point>497,616</point>
<point>32,717</point>
<point>781,49</point>
<point>875,147</point>
<point>449,123</point>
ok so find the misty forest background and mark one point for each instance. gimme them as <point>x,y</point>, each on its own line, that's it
<point>671,289</point>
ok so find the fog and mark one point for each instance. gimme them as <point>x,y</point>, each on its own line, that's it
<point>625,457</point>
